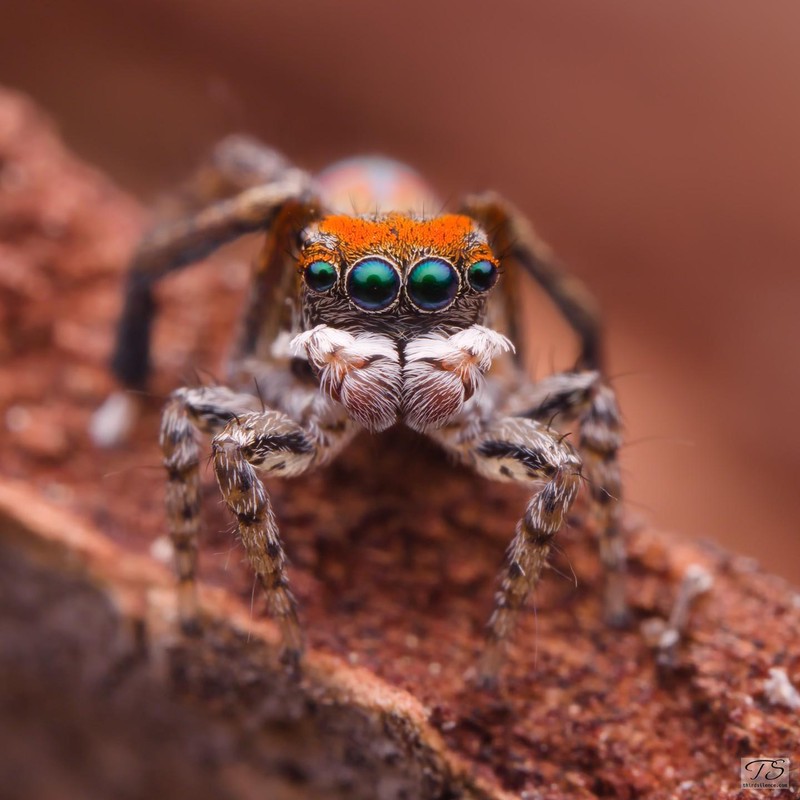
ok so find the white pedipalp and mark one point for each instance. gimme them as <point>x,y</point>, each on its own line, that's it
<point>442,372</point>
<point>360,370</point>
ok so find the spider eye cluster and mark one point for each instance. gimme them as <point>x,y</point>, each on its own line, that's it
<point>374,283</point>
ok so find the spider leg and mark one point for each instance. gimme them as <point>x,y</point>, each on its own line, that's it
<point>174,245</point>
<point>270,442</point>
<point>515,238</point>
<point>236,162</point>
<point>583,394</point>
<point>525,451</point>
<point>187,413</point>
<point>587,398</point>
<point>248,438</point>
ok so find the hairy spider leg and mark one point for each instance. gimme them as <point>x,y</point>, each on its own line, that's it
<point>524,451</point>
<point>269,442</point>
<point>247,440</point>
<point>583,396</point>
<point>178,243</point>
<point>187,413</point>
<point>596,408</point>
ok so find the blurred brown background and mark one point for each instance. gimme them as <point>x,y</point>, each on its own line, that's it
<point>656,146</point>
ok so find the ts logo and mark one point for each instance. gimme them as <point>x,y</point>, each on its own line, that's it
<point>765,772</point>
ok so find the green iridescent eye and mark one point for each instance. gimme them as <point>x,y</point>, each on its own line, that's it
<point>320,276</point>
<point>373,284</point>
<point>432,284</point>
<point>482,276</point>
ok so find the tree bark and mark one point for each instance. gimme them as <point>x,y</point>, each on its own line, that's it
<point>394,557</point>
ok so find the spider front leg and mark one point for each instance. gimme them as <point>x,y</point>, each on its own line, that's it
<point>270,442</point>
<point>525,451</point>
<point>188,413</point>
<point>585,396</point>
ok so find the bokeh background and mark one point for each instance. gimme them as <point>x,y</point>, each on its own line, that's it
<point>655,145</point>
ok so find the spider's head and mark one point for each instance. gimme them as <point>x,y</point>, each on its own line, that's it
<point>395,272</point>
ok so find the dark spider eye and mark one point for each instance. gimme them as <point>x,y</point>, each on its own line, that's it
<point>482,275</point>
<point>432,284</point>
<point>320,276</point>
<point>373,284</point>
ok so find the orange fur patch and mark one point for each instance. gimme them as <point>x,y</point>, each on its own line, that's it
<point>403,238</point>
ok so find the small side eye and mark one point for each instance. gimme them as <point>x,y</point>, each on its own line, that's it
<point>432,284</point>
<point>373,284</point>
<point>320,276</point>
<point>482,275</point>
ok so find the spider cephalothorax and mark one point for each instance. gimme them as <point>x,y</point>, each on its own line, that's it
<point>382,299</point>
<point>390,318</point>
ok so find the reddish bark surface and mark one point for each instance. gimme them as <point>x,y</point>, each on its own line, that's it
<point>394,556</point>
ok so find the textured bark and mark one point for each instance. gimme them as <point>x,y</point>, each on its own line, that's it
<point>394,556</point>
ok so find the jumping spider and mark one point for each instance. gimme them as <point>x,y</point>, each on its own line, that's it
<point>361,322</point>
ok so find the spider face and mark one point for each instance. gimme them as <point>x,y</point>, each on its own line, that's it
<point>395,273</point>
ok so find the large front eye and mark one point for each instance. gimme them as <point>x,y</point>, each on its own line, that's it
<point>432,284</point>
<point>373,284</point>
<point>482,275</point>
<point>320,276</point>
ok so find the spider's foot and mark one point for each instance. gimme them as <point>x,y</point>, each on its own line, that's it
<point>190,626</point>
<point>618,618</point>
<point>485,681</point>
<point>187,609</point>
<point>292,661</point>
<point>486,674</point>
<point>292,645</point>
<point>617,613</point>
